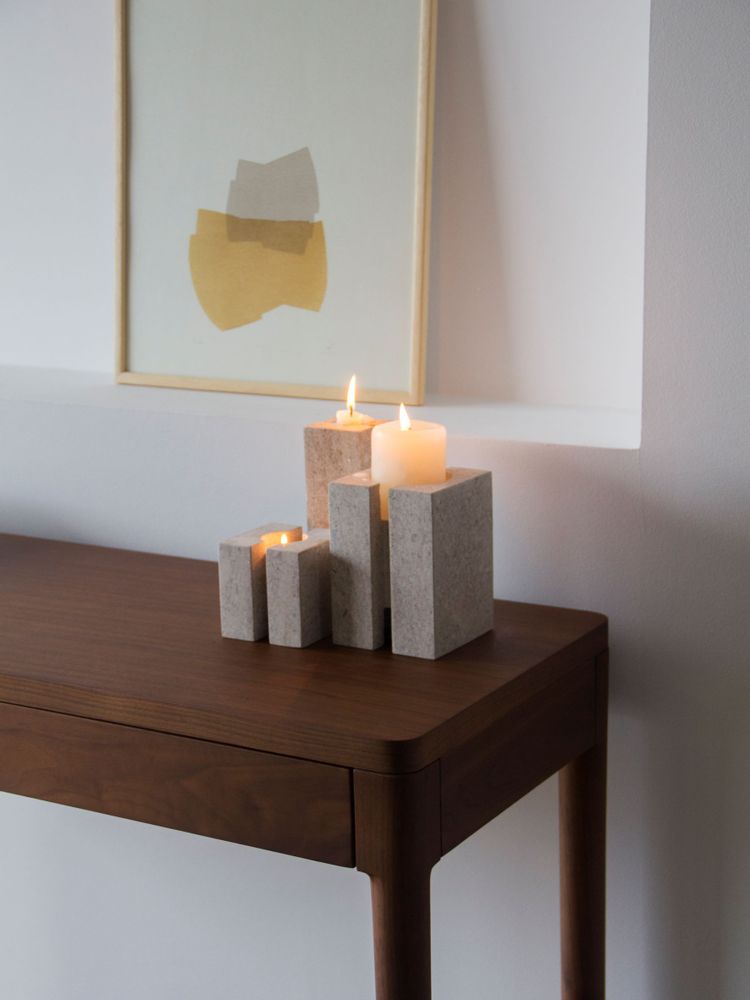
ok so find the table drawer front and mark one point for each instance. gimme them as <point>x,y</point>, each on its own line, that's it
<point>263,800</point>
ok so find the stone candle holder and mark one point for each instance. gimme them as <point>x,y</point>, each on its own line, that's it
<point>298,582</point>
<point>435,556</point>
<point>441,563</point>
<point>242,580</point>
<point>359,562</point>
<point>332,451</point>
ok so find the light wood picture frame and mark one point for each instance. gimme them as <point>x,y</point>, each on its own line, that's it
<point>318,121</point>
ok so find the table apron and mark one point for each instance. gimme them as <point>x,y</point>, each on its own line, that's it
<point>519,751</point>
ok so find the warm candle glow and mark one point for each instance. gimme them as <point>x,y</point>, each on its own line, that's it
<point>351,417</point>
<point>404,418</point>
<point>273,538</point>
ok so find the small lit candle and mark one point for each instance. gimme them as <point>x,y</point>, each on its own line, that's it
<point>298,587</point>
<point>351,416</point>
<point>407,453</point>
<point>280,538</point>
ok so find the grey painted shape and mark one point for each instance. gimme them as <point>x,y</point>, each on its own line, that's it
<point>282,190</point>
<point>441,564</point>
<point>331,452</point>
<point>359,557</point>
<point>298,579</point>
<point>242,582</point>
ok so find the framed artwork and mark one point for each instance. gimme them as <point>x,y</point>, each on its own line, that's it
<point>274,191</point>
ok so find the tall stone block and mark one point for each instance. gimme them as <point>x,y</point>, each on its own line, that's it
<point>441,563</point>
<point>242,580</point>
<point>359,562</point>
<point>298,580</point>
<point>332,451</point>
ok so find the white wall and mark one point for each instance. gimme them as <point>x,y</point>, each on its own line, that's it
<point>540,193</point>
<point>539,178</point>
<point>56,183</point>
<point>659,539</point>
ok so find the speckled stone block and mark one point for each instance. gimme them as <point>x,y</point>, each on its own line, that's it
<point>298,583</point>
<point>332,451</point>
<point>242,580</point>
<point>441,564</point>
<point>359,561</point>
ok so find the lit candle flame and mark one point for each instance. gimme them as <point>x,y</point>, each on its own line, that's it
<point>351,400</point>
<point>404,418</point>
<point>284,539</point>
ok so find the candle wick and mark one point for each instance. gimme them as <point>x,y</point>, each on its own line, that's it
<point>351,409</point>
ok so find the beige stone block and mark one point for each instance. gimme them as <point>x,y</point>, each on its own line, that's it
<point>242,580</point>
<point>332,451</point>
<point>359,562</point>
<point>298,583</point>
<point>441,563</point>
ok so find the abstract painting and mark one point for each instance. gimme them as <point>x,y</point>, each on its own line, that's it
<point>274,194</point>
<point>267,250</point>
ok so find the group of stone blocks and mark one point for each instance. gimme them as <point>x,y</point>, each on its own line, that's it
<point>277,591</point>
<point>430,564</point>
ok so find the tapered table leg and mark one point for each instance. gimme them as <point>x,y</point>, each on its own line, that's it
<point>583,801</point>
<point>398,843</point>
<point>401,931</point>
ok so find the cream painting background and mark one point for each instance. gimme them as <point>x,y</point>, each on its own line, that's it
<point>214,82</point>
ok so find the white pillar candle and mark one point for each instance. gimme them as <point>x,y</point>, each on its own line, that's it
<point>407,453</point>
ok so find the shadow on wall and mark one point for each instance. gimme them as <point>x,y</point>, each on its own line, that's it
<point>694,694</point>
<point>41,520</point>
<point>539,190</point>
<point>466,225</point>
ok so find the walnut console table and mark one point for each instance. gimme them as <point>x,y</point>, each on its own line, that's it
<point>117,694</point>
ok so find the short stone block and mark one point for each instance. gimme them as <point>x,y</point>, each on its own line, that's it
<point>242,580</point>
<point>332,451</point>
<point>298,582</point>
<point>359,562</point>
<point>441,563</point>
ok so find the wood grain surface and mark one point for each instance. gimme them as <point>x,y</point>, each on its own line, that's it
<point>505,762</point>
<point>397,820</point>
<point>583,860</point>
<point>134,638</point>
<point>257,799</point>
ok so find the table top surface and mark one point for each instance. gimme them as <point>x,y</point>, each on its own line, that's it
<point>134,638</point>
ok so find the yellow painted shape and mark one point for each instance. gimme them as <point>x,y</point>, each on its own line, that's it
<point>237,281</point>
